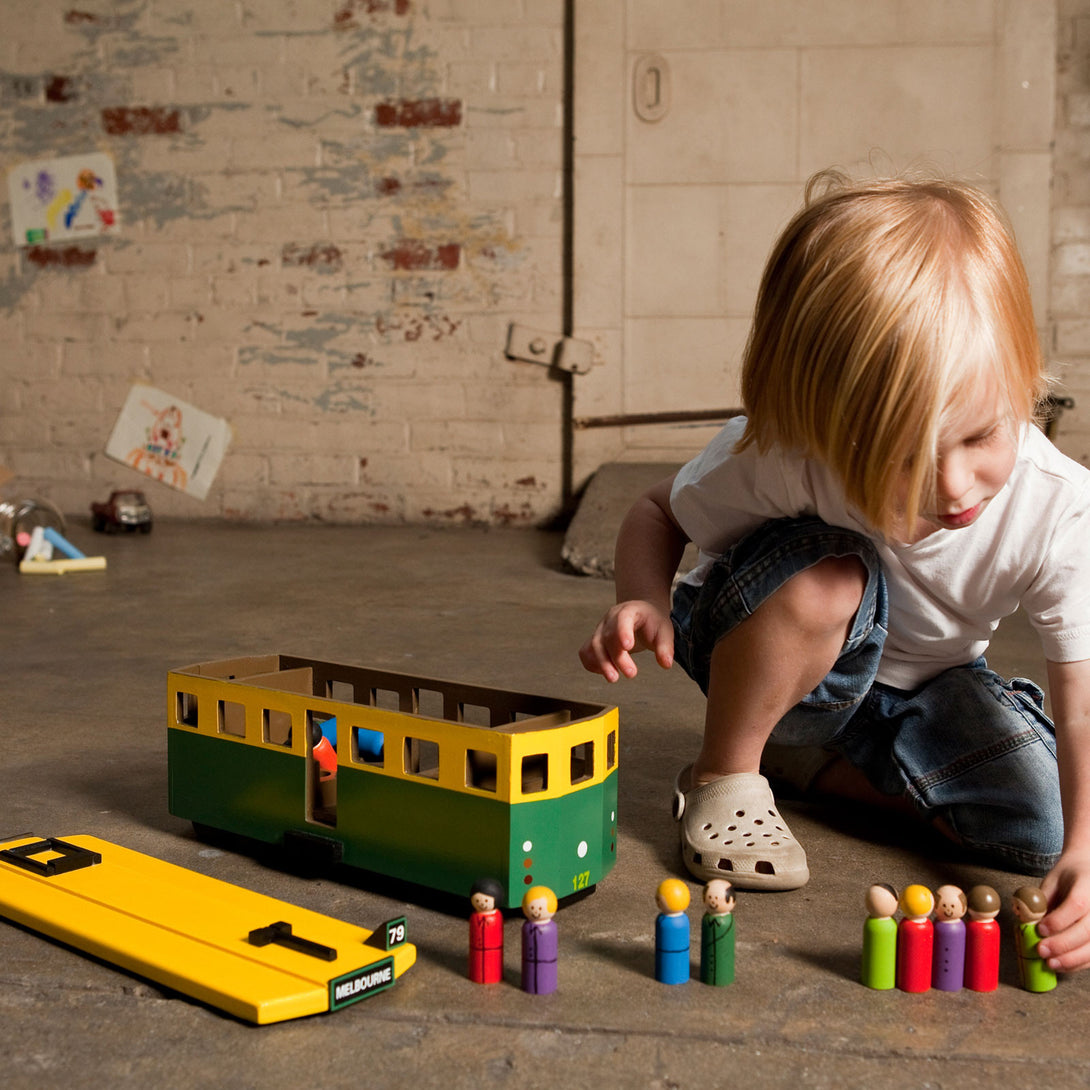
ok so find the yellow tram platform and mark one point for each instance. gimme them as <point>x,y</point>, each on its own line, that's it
<point>256,957</point>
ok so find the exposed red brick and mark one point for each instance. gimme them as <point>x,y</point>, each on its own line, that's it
<point>60,257</point>
<point>60,89</point>
<point>345,16</point>
<point>506,516</point>
<point>410,254</point>
<point>141,120</point>
<point>429,184</point>
<point>419,113</point>
<point>74,17</point>
<point>322,255</point>
<point>464,513</point>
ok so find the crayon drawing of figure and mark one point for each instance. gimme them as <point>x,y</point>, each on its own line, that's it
<point>158,457</point>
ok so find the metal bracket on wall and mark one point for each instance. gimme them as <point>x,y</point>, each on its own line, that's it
<point>549,349</point>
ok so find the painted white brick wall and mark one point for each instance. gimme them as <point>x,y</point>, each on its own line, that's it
<point>330,214</point>
<point>338,288</point>
<point>1070,281</point>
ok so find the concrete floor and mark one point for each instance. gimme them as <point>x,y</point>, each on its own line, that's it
<point>82,683</point>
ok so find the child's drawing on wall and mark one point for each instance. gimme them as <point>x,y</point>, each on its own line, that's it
<point>169,440</point>
<point>158,456</point>
<point>57,199</point>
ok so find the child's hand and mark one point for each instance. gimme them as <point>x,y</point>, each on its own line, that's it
<point>1065,931</point>
<point>627,628</point>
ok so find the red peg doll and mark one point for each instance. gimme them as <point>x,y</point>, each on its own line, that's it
<point>915,940</point>
<point>486,932</point>
<point>982,939</point>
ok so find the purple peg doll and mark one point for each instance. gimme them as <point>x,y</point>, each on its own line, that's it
<point>948,967</point>
<point>539,941</point>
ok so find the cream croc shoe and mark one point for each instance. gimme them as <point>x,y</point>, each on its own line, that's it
<point>730,828</point>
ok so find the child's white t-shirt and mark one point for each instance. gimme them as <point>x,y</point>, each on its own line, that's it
<point>948,592</point>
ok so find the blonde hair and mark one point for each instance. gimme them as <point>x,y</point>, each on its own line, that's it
<point>882,305</point>
<point>917,901</point>
<point>535,893</point>
<point>672,895</point>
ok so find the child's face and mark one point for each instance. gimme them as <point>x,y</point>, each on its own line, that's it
<point>977,450</point>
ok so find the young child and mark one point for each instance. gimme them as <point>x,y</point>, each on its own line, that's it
<point>884,502</point>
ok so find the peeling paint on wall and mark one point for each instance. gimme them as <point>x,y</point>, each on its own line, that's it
<point>322,257</point>
<point>60,257</point>
<point>302,252</point>
<point>61,89</point>
<point>347,16</point>
<point>429,113</point>
<point>410,254</point>
<point>141,121</point>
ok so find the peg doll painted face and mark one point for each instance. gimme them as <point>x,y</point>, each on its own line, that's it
<point>950,903</point>
<point>719,897</point>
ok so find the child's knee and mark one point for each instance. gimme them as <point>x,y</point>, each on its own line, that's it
<point>826,595</point>
<point>1029,842</point>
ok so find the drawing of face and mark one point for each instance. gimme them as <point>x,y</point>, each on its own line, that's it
<point>481,902</point>
<point>537,910</point>
<point>167,428</point>
<point>1025,913</point>
<point>718,897</point>
<point>950,903</point>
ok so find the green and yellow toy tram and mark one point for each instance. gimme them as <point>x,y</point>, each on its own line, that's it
<point>433,782</point>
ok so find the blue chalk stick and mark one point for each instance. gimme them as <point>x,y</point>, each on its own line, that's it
<point>59,541</point>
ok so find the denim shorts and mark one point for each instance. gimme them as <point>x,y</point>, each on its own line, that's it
<point>966,746</point>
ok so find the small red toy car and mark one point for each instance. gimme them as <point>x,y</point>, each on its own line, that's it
<point>124,510</point>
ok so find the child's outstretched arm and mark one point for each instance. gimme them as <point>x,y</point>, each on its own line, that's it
<point>650,545</point>
<point>1065,930</point>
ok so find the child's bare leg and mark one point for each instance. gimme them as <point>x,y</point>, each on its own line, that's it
<point>764,666</point>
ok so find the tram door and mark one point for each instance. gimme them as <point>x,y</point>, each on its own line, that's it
<point>321,769</point>
<point>278,726</point>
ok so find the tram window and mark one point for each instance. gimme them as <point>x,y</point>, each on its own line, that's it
<point>476,715</point>
<point>275,727</point>
<point>429,702</point>
<point>582,762</point>
<point>231,718</point>
<point>368,747</point>
<point>422,758</point>
<point>611,749</point>
<point>387,699</point>
<point>344,691</point>
<point>185,711</point>
<point>535,773</point>
<point>481,769</point>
